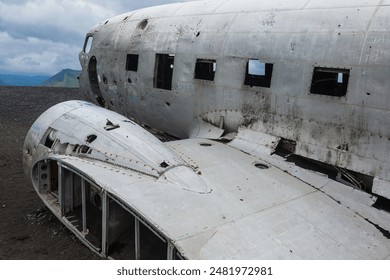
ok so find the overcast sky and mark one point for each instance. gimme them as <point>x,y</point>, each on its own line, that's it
<point>45,36</point>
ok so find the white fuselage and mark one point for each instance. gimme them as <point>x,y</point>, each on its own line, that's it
<point>306,43</point>
<point>247,86</point>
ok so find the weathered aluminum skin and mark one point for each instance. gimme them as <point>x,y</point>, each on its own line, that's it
<point>351,132</point>
<point>237,200</point>
<point>211,202</point>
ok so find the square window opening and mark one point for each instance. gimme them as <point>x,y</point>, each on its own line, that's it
<point>205,69</point>
<point>258,74</point>
<point>164,71</point>
<point>330,81</point>
<point>132,62</point>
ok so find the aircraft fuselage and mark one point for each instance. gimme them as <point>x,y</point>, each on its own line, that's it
<point>283,113</point>
<point>309,73</point>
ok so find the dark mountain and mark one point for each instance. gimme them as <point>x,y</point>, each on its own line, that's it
<point>65,78</point>
<point>22,80</point>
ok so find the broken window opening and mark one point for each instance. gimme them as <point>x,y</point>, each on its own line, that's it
<point>85,150</point>
<point>132,62</point>
<point>258,74</point>
<point>93,216</point>
<point>285,147</point>
<point>152,247</point>
<point>345,176</point>
<point>131,237</point>
<point>205,69</point>
<point>81,149</point>
<point>330,81</point>
<point>164,71</point>
<point>88,43</point>
<point>103,221</point>
<point>78,200</point>
<point>81,204</point>
<point>121,232</point>
<point>354,179</point>
<point>51,135</point>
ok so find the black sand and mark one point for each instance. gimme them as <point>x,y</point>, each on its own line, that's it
<point>28,230</point>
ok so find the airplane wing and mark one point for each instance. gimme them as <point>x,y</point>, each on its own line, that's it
<point>111,182</point>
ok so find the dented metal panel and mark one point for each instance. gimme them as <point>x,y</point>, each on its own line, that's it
<point>354,37</point>
<point>68,128</point>
<point>191,202</point>
<point>202,199</point>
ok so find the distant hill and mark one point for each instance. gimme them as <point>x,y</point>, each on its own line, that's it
<point>2,83</point>
<point>22,80</point>
<point>65,78</point>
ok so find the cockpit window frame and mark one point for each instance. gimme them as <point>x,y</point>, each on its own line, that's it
<point>88,43</point>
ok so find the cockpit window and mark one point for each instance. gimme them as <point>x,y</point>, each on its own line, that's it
<point>330,81</point>
<point>258,73</point>
<point>88,43</point>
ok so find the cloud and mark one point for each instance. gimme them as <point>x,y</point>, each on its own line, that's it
<point>45,36</point>
<point>55,13</point>
<point>44,18</point>
<point>32,55</point>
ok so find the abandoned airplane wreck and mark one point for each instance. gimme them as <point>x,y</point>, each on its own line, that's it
<point>226,130</point>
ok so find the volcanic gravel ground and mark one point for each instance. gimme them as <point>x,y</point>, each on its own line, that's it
<point>28,230</point>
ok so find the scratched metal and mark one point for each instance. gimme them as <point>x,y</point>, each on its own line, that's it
<point>208,199</point>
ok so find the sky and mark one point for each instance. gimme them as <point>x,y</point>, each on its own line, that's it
<point>43,37</point>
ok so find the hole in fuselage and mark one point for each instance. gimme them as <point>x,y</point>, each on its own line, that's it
<point>261,165</point>
<point>91,138</point>
<point>205,144</point>
<point>142,25</point>
<point>94,81</point>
